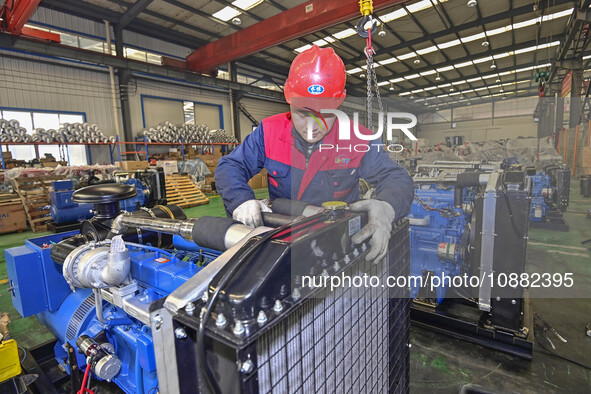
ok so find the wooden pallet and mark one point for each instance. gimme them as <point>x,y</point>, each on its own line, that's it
<point>34,195</point>
<point>9,199</point>
<point>181,190</point>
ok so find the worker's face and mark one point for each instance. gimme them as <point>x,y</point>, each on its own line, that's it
<point>319,125</point>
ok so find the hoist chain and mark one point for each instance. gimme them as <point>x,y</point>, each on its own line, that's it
<point>372,84</point>
<point>367,26</point>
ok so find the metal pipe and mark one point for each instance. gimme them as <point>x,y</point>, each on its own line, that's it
<point>98,303</point>
<point>482,179</point>
<point>112,80</point>
<point>184,228</point>
<point>228,232</point>
<point>456,162</point>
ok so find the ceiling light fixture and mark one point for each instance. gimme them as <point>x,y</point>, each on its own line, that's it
<point>382,32</point>
<point>451,89</point>
<point>485,43</point>
<point>417,61</point>
<point>236,21</point>
<point>226,13</point>
<point>391,86</point>
<point>498,80</point>
<point>472,3</point>
<point>438,78</point>
<point>246,4</point>
<point>493,65</point>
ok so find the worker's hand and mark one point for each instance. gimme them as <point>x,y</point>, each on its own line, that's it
<point>249,213</point>
<point>379,226</point>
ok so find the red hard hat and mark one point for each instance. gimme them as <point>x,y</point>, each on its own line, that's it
<point>317,73</point>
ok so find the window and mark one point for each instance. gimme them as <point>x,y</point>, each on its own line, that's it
<point>99,45</point>
<point>46,121</point>
<point>32,120</point>
<point>24,118</point>
<point>189,110</point>
<point>135,54</point>
<point>91,44</point>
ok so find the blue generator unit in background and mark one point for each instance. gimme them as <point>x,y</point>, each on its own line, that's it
<point>550,197</point>
<point>466,228</point>
<point>65,210</point>
<point>439,235</point>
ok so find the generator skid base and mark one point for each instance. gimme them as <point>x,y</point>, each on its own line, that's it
<point>553,221</point>
<point>459,320</point>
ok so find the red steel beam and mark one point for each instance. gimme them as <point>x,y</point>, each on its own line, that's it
<point>17,13</point>
<point>296,22</point>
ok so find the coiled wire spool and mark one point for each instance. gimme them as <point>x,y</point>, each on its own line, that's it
<point>14,123</point>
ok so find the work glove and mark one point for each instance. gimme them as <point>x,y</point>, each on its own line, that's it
<point>250,213</point>
<point>379,226</point>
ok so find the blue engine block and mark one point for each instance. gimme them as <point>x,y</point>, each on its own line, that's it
<point>541,191</point>
<point>438,234</point>
<point>38,288</point>
<point>64,210</point>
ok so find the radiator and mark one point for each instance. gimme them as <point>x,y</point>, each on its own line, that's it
<point>350,340</point>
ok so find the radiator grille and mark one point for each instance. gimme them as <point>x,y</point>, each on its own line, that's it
<point>351,340</point>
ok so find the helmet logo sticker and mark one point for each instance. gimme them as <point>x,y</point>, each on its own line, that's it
<point>315,89</point>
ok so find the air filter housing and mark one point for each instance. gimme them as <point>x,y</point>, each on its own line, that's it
<point>268,333</point>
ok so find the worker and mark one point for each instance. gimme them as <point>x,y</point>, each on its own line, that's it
<point>300,165</point>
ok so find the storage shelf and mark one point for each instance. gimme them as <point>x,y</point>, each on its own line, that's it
<point>58,143</point>
<point>111,145</point>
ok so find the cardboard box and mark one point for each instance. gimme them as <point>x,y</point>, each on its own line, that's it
<point>259,180</point>
<point>12,217</point>
<point>132,165</point>
<point>256,182</point>
<point>168,166</point>
<point>264,178</point>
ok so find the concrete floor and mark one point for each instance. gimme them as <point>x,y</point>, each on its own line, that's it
<point>442,364</point>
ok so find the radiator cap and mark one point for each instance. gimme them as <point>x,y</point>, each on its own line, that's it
<point>334,205</point>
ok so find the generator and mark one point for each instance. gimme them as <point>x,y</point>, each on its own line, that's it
<point>550,197</point>
<point>472,225</point>
<point>153,301</point>
<point>149,184</point>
